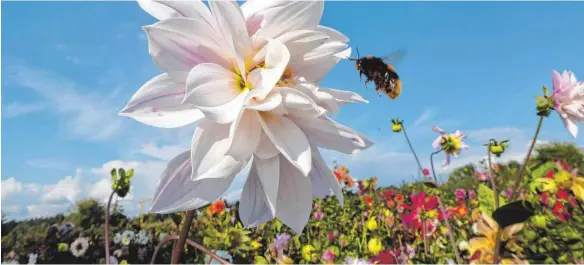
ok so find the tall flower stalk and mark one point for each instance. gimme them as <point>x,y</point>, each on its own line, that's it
<point>398,126</point>
<point>182,237</point>
<point>121,187</point>
<point>445,214</point>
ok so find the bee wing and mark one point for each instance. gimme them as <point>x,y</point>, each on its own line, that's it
<point>394,57</point>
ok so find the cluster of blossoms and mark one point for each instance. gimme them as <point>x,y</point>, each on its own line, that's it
<point>560,189</point>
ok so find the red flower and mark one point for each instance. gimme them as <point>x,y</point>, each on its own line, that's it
<point>338,175</point>
<point>563,194</point>
<point>560,211</point>
<point>545,198</point>
<point>426,172</point>
<point>385,257</point>
<point>550,174</point>
<point>388,194</point>
<point>368,201</point>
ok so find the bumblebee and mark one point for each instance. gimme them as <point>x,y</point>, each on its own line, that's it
<point>380,71</point>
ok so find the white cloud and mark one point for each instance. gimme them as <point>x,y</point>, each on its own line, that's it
<point>15,109</point>
<point>165,152</point>
<point>85,114</point>
<point>67,188</point>
<point>44,210</point>
<point>48,163</point>
<point>10,186</point>
<point>425,116</point>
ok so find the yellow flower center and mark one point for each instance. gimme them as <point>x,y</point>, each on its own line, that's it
<point>241,85</point>
<point>451,144</point>
<point>564,179</point>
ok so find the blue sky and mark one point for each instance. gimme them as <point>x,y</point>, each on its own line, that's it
<point>69,67</point>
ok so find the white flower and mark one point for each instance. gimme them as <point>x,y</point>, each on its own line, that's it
<point>250,76</point>
<point>32,258</point>
<point>113,260</point>
<point>474,228</point>
<point>463,245</point>
<point>79,246</point>
<point>127,237</point>
<point>10,262</point>
<point>117,238</point>
<point>142,238</point>
<point>568,99</point>
<point>355,261</point>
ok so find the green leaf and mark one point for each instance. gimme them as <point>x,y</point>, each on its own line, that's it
<point>486,199</point>
<point>130,173</point>
<point>114,174</point>
<point>513,213</point>
<point>122,173</point>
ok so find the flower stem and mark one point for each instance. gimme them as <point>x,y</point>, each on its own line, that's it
<point>496,195</point>
<point>412,148</point>
<point>424,237</point>
<point>520,174</point>
<point>444,213</point>
<point>190,243</point>
<point>184,232</point>
<point>107,231</point>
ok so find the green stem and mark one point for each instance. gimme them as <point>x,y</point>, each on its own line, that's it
<point>525,161</point>
<point>444,213</point>
<point>412,148</point>
<point>496,195</point>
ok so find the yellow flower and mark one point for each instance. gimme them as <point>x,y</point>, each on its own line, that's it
<point>372,224</point>
<point>387,212</point>
<point>488,228</point>
<point>124,262</point>
<point>396,127</point>
<point>374,246</point>
<point>307,252</point>
<point>256,245</point>
<point>564,179</point>
<point>285,260</point>
<point>444,231</point>
<point>432,214</point>
<point>570,180</point>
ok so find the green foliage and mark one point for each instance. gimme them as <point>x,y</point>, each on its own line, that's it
<point>486,199</point>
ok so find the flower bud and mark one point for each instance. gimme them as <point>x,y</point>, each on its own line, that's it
<point>396,127</point>
<point>539,221</point>
<point>374,246</point>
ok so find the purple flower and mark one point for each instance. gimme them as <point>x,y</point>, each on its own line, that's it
<point>233,220</point>
<point>328,256</point>
<point>318,215</point>
<point>460,194</point>
<point>281,241</point>
<point>471,194</point>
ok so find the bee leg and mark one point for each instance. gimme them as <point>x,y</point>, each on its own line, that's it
<point>377,91</point>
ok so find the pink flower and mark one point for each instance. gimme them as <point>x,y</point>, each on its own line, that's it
<point>318,215</point>
<point>328,256</point>
<point>451,144</point>
<point>471,194</point>
<point>568,99</point>
<point>481,176</point>
<point>460,194</point>
<point>426,172</point>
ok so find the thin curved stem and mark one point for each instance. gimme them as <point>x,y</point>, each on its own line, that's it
<point>190,243</point>
<point>496,195</point>
<point>412,148</point>
<point>444,213</point>
<point>184,233</point>
<point>107,226</point>
<point>525,161</point>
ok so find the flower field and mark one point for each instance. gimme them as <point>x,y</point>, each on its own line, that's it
<point>383,225</point>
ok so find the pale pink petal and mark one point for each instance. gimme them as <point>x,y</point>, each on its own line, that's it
<point>300,42</point>
<point>299,104</point>
<point>329,134</point>
<point>294,197</point>
<point>323,177</point>
<point>333,34</point>
<point>437,142</point>
<point>212,89</point>
<point>570,125</point>
<point>294,15</point>
<point>158,103</point>
<point>179,44</point>
<point>232,25</point>
<point>254,208</point>
<point>208,151</point>
<point>269,173</point>
<point>313,66</point>
<point>264,79</point>
<point>245,134</point>
<point>266,149</point>
<point>289,139</point>
<point>162,9</point>
<point>446,160</point>
<point>438,130</point>
<point>344,96</point>
<point>177,192</point>
<point>271,102</point>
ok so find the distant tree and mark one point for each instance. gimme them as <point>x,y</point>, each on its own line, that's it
<point>560,151</point>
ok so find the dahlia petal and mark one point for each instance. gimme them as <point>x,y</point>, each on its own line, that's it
<point>208,151</point>
<point>300,42</point>
<point>253,204</point>
<point>320,171</point>
<point>188,42</point>
<point>264,79</point>
<point>271,102</point>
<point>438,130</point>
<point>269,174</point>
<point>233,27</point>
<point>158,103</point>
<point>294,197</point>
<point>294,15</point>
<point>329,134</point>
<point>314,65</point>
<point>212,89</point>
<point>266,149</point>
<point>288,139</point>
<point>177,192</point>
<point>570,126</point>
<point>169,9</point>
<point>556,80</point>
<point>344,96</point>
<point>245,134</point>
<point>333,34</point>
<point>299,104</point>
